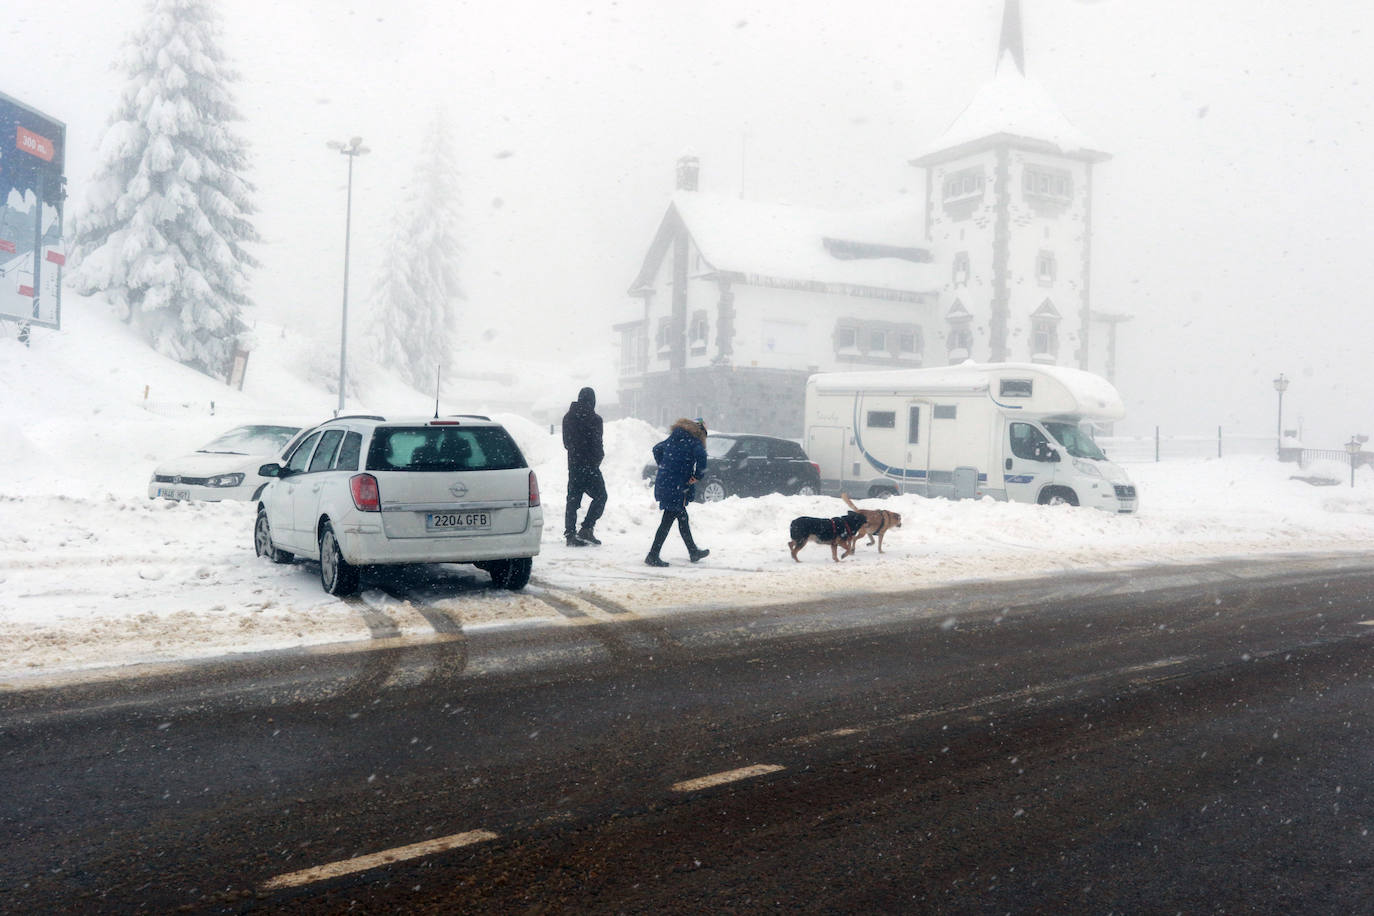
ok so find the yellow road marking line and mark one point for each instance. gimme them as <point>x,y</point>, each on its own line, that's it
<point>363,863</point>
<point>717,779</point>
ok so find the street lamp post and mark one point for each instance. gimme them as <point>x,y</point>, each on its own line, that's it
<point>1280,385</point>
<point>352,149</point>
<point>1354,446</point>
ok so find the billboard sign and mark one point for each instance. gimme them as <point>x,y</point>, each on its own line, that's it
<point>32,186</point>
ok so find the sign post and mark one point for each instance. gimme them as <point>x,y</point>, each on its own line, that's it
<point>32,190</point>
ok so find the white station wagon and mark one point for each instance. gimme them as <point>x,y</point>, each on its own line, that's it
<point>359,491</point>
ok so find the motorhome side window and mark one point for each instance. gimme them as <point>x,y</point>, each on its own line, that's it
<point>913,429</point>
<point>882,419</point>
<point>946,411</point>
<point>1029,443</point>
<point>1015,387</point>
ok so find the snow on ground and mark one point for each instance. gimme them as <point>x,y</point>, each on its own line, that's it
<point>94,574</point>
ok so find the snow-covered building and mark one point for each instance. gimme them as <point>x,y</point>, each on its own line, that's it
<point>739,301</point>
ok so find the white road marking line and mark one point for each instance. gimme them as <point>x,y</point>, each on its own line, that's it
<point>1364,623</point>
<point>363,863</point>
<point>717,779</point>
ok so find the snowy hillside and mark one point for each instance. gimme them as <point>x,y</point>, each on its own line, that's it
<point>94,573</point>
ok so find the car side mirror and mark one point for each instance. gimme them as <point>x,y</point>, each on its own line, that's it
<point>271,470</point>
<point>1054,457</point>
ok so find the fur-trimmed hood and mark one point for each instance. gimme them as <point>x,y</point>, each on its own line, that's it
<point>695,427</point>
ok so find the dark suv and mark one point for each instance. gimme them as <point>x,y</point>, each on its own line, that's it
<point>749,465</point>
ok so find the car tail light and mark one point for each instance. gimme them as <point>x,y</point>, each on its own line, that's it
<point>815,467</point>
<point>366,496</point>
<point>534,490</point>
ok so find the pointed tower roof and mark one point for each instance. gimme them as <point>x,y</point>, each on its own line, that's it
<point>1011,108</point>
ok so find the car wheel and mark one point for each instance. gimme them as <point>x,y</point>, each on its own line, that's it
<point>713,491</point>
<point>511,574</point>
<point>806,489</point>
<point>881,493</point>
<point>1058,496</point>
<point>262,540</point>
<point>337,575</point>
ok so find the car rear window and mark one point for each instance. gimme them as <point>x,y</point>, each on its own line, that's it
<point>443,448</point>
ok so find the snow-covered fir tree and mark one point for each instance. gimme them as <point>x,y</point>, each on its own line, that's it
<point>416,299</point>
<point>168,213</point>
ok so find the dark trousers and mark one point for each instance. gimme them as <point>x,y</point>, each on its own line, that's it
<point>683,526</point>
<point>583,481</point>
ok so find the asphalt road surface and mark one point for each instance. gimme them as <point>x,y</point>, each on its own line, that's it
<point>1191,740</point>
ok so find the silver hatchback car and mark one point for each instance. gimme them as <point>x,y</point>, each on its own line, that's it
<point>366,490</point>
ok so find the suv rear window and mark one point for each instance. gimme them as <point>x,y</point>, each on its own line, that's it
<point>447,448</point>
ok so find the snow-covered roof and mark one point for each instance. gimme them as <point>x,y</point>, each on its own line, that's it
<point>779,242</point>
<point>1011,107</point>
<point>1074,391</point>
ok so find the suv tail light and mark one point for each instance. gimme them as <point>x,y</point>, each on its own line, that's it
<point>815,467</point>
<point>366,496</point>
<point>534,490</point>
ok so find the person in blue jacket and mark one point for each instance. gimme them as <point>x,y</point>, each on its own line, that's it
<point>681,462</point>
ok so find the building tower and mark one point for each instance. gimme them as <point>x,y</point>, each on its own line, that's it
<point>1008,207</point>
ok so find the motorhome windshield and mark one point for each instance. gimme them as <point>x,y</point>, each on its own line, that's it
<point>1077,441</point>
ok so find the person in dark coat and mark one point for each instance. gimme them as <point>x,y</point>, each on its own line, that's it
<point>582,438</point>
<point>681,462</point>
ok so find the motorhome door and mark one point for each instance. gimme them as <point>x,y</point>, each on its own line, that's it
<point>917,476</point>
<point>1029,463</point>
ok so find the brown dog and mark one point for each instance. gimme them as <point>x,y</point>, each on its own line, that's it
<point>877,522</point>
<point>837,532</point>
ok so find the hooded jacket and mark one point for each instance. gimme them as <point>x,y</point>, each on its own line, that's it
<point>582,432</point>
<point>680,457</point>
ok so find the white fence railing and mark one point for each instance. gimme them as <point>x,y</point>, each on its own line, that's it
<point>1161,447</point>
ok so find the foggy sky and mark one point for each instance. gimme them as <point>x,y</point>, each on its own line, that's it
<point>1232,221</point>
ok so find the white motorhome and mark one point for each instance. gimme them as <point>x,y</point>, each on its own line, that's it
<point>1006,430</point>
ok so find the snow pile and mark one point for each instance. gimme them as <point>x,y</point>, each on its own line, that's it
<point>94,573</point>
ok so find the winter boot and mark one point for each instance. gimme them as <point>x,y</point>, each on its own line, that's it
<point>653,560</point>
<point>588,535</point>
<point>699,555</point>
<point>575,541</point>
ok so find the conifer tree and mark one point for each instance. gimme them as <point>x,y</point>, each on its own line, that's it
<point>168,213</point>
<point>416,299</point>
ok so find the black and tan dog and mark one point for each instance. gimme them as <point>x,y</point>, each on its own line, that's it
<point>837,532</point>
<point>877,522</point>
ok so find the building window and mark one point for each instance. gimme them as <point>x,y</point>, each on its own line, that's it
<point>698,331</point>
<point>1045,268</point>
<point>1045,333</point>
<point>631,349</point>
<point>961,269</point>
<point>966,184</point>
<point>663,338</point>
<point>959,338</point>
<point>877,342</point>
<point>847,340</point>
<point>882,419</point>
<point>1047,184</point>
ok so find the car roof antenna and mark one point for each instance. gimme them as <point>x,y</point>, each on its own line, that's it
<point>436,391</point>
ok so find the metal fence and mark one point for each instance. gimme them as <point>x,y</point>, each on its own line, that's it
<point>1162,447</point>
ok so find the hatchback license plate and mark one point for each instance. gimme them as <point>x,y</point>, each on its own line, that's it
<point>171,493</point>
<point>457,521</point>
